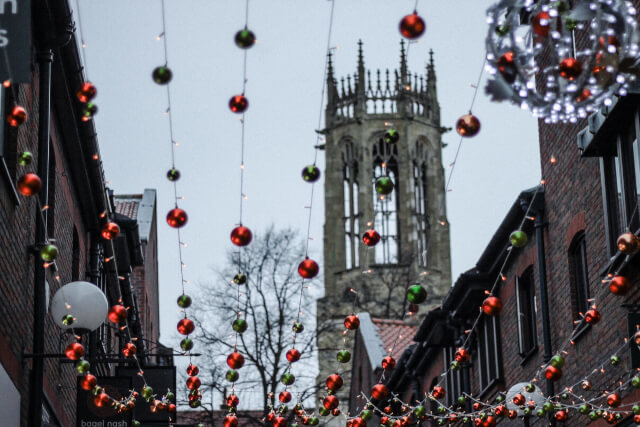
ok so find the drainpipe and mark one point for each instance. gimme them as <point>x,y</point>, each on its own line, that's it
<point>44,58</point>
<point>93,274</point>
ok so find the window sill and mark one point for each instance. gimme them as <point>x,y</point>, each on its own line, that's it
<point>527,356</point>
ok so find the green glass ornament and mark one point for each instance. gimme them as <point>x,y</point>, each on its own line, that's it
<point>455,365</point>
<point>173,174</point>
<point>232,375</point>
<point>548,407</point>
<point>527,412</point>
<point>366,414</point>
<point>540,413</point>
<point>314,421</point>
<point>570,24</point>
<point>170,397</point>
<point>195,403</point>
<point>636,409</point>
<point>240,279</point>
<point>565,396</point>
<point>82,366</point>
<point>89,110</point>
<point>441,422</point>
<point>419,411</point>
<point>298,327</point>
<point>344,356</point>
<point>465,420</point>
<point>162,75</point>
<point>391,136</point>
<point>239,325</point>
<point>311,173</point>
<point>324,411</point>
<point>135,423</point>
<point>502,30</point>
<point>635,382</point>
<point>184,301</point>
<point>49,252</point>
<point>461,400</point>
<point>518,238</point>
<point>593,416</point>
<point>25,158</point>
<point>384,185</point>
<point>530,388</point>
<point>416,294</point>
<point>68,319</point>
<point>615,360</point>
<point>442,409</point>
<point>186,344</point>
<point>147,392</point>
<point>584,409</point>
<point>288,378</point>
<point>500,398</point>
<point>245,39</point>
<point>557,361</point>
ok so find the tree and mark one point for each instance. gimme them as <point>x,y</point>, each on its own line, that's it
<point>269,302</point>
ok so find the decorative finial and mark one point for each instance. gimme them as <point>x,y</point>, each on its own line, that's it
<point>403,62</point>
<point>360,83</point>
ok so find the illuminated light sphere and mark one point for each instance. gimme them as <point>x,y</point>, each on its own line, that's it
<point>230,421</point>
<point>540,24</point>
<point>84,301</point>
<point>193,383</point>
<point>619,285</point>
<point>384,185</point>
<point>86,92</point>
<point>17,116</point>
<point>49,252</point>
<point>192,370</point>
<point>176,218</point>
<point>29,184</point>
<point>293,355</point>
<point>492,306</point>
<point>88,382</point>
<point>101,400</point>
<point>241,236</point>
<point>370,237</point>
<point>162,75</point>
<point>308,269</point>
<point>74,351</point>
<point>352,322</point>
<point>186,326</point>
<point>343,356</point>
<point>552,373</point>
<point>586,385</point>
<point>331,401</point>
<point>570,68</point>
<point>184,301</point>
<point>186,344</point>
<point>238,104</point>
<point>310,173</point>
<point>118,313</point>
<point>628,243</point>
<point>239,325</point>
<point>388,363</point>
<point>468,125</point>
<point>636,338</point>
<point>298,327</point>
<point>240,279</point>
<point>110,230</point>
<point>173,174</point>
<point>438,392</point>
<point>518,238</point>
<point>592,316</point>
<point>391,136</point>
<point>284,397</point>
<point>416,294</point>
<point>614,400</point>
<point>235,360</point>
<point>412,26</point>
<point>129,350</point>
<point>245,38</point>
<point>89,110</point>
<point>462,355</point>
<point>25,158</point>
<point>334,382</point>
<point>287,378</point>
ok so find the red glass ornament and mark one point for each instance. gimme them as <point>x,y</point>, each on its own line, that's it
<point>238,104</point>
<point>412,26</point>
<point>352,322</point>
<point>335,412</point>
<point>110,230</point>
<point>512,414</point>
<point>384,420</point>
<point>87,92</point>
<point>379,391</point>
<point>619,285</point>
<point>492,306</point>
<point>293,355</point>
<point>501,410</point>
<point>29,184</point>
<point>233,400</point>
<point>358,422</point>
<point>586,93</point>
<point>490,421</point>
<point>592,316</point>
<point>628,243</point>
<point>438,392</point>
<point>235,360</point>
<point>271,416</point>
<point>241,236</point>
<point>88,382</point>
<point>193,383</point>
<point>74,351</point>
<point>186,326</point>
<point>334,382</point>
<point>117,313</point>
<point>176,218</point>
<point>570,68</point>
<point>561,415</point>
<point>541,24</point>
<point>518,399</point>
<point>17,116</point>
<point>462,355</point>
<point>280,422</point>
<point>507,67</point>
<point>636,419</point>
<point>370,237</point>
<point>331,402</point>
<point>308,269</point>
<point>171,407</point>
<point>614,400</point>
<point>129,349</point>
<point>476,406</point>
<point>552,373</point>
<point>284,396</point>
<point>192,370</point>
<point>230,421</point>
<point>468,125</point>
<point>101,399</point>
<point>388,363</point>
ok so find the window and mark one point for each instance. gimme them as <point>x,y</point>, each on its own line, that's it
<point>579,276</point>
<point>489,352</point>
<point>8,140</point>
<point>420,211</point>
<point>526,312</point>
<point>386,207</point>
<point>453,377</point>
<point>351,232</point>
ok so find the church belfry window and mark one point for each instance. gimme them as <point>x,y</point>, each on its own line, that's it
<point>351,236</point>
<point>385,163</point>
<point>420,200</point>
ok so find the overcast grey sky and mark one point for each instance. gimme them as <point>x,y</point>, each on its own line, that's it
<point>285,71</point>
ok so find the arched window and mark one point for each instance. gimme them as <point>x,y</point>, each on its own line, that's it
<point>579,275</point>
<point>386,207</point>
<point>351,236</point>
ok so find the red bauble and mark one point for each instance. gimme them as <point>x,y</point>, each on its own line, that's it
<point>379,391</point>
<point>561,415</point>
<point>280,422</point>
<point>293,355</point>
<point>88,382</point>
<point>331,402</point>
<point>335,412</point>
<point>270,416</point>
<point>352,322</point>
<point>614,400</point>
<point>592,316</point>
<point>462,355</point>
<point>334,382</point>
<point>619,285</point>
<point>358,422</point>
<point>284,397</point>
<point>235,360</point>
<point>476,406</point>
<point>186,326</point>
<point>241,236</point>
<point>101,399</point>
<point>541,24</point>
<point>438,392</point>
<point>570,68</point>
<point>129,349</point>
<point>193,383</point>
<point>507,67</point>
<point>519,399</point>
<point>490,421</point>
<point>492,306</point>
<point>308,268</point>
<point>233,400</point>
<point>501,410</point>
<point>176,218</point>
<point>192,370</point>
<point>17,116</point>
<point>238,104</point>
<point>388,363</point>
<point>370,237</point>
<point>87,92</point>
<point>29,184</point>
<point>74,351</point>
<point>230,421</point>
<point>468,125</point>
<point>552,373</point>
<point>117,313</point>
<point>384,420</point>
<point>412,26</point>
<point>110,230</point>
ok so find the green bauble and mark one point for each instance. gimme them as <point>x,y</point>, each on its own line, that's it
<point>170,396</point>
<point>83,366</point>
<point>311,173</point>
<point>135,423</point>
<point>314,421</point>
<point>442,410</point>
<point>636,409</point>
<point>68,319</point>
<point>518,238</point>
<point>49,252</point>
<point>455,365</point>
<point>298,327</point>
<point>583,409</point>
<point>162,75</point>
<point>184,301</point>
<point>502,30</point>
<point>25,158</point>
<point>173,174</point>
<point>344,356</point>
<point>499,398</point>
<point>615,360</point>
<point>366,414</point>
<point>384,185</point>
<point>195,403</point>
<point>461,400</point>
<point>548,407</point>
<point>90,109</point>
<point>540,413</point>
<point>557,361</point>
<point>240,279</point>
<point>232,375</point>
<point>239,325</point>
<point>441,422</point>
<point>593,415</point>
<point>635,382</point>
<point>288,378</point>
<point>416,294</point>
<point>147,392</point>
<point>245,39</point>
<point>324,411</point>
<point>527,412</point>
<point>186,344</point>
<point>530,388</point>
<point>419,411</point>
<point>570,24</point>
<point>391,136</point>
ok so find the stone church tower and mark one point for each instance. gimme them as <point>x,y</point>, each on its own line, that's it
<point>412,223</point>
